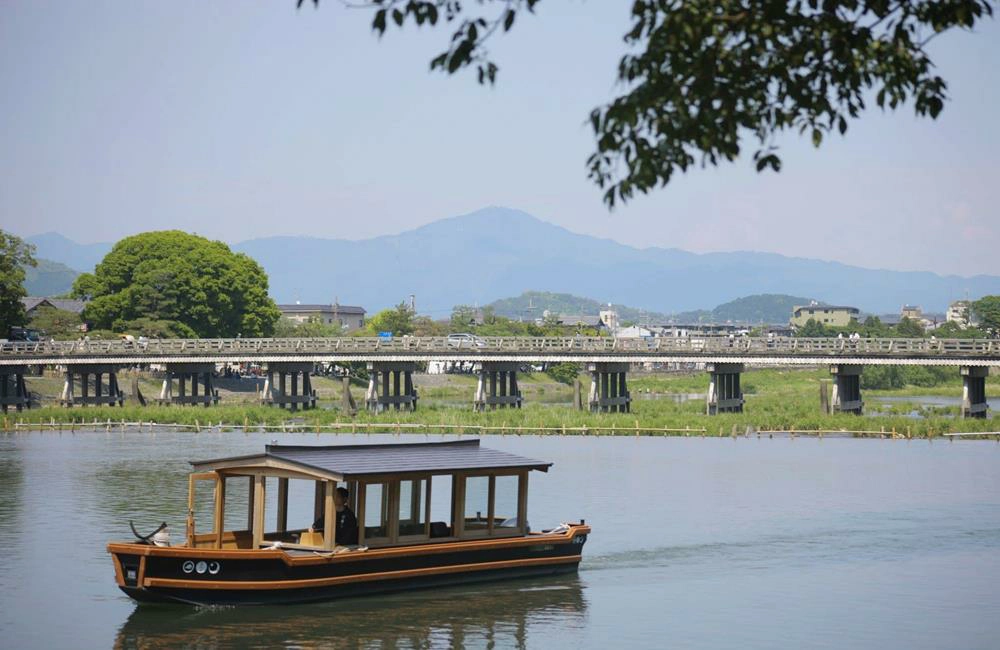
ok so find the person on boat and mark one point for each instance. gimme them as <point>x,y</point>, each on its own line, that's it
<point>345,530</point>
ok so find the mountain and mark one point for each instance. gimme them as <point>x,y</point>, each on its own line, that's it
<point>48,278</point>
<point>532,304</point>
<point>762,308</point>
<point>78,257</point>
<point>475,258</point>
<point>501,252</point>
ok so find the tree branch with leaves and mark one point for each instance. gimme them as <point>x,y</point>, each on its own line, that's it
<point>704,77</point>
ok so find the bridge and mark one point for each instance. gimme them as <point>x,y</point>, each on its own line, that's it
<point>391,363</point>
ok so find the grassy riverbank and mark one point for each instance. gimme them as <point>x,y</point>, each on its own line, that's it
<point>663,404</point>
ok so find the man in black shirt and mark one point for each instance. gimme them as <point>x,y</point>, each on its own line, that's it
<point>345,530</point>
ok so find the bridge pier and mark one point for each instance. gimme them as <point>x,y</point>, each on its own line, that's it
<point>608,387</point>
<point>84,372</point>
<point>974,404</point>
<point>13,390</point>
<point>846,395</point>
<point>725,395</point>
<point>494,375</point>
<point>184,373</point>
<point>396,381</point>
<point>286,391</point>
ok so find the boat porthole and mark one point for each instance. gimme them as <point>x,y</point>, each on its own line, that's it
<point>214,568</point>
<point>201,567</point>
<point>188,566</point>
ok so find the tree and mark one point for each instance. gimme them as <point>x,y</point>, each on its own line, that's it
<point>705,75</point>
<point>987,309</point>
<point>14,256</point>
<point>909,328</point>
<point>812,329</point>
<point>57,323</point>
<point>564,373</point>
<point>398,321</point>
<point>952,330</point>
<point>194,285</point>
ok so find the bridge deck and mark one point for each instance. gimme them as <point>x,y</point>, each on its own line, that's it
<point>709,349</point>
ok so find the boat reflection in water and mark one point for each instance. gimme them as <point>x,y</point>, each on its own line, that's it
<point>504,615</point>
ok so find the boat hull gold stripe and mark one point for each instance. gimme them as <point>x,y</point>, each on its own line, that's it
<point>338,580</point>
<point>128,548</point>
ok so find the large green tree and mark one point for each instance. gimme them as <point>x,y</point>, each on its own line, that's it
<point>15,254</point>
<point>398,321</point>
<point>185,283</point>
<point>702,77</point>
<point>987,309</point>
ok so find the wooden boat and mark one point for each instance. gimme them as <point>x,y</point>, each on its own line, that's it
<point>395,491</point>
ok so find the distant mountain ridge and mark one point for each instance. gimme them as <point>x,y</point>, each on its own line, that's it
<point>79,257</point>
<point>48,278</point>
<point>493,252</point>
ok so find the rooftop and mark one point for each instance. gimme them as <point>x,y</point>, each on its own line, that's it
<point>67,304</point>
<point>334,308</point>
<point>349,462</point>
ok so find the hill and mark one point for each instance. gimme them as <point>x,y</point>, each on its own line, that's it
<point>474,258</point>
<point>761,308</point>
<point>532,304</point>
<point>48,278</point>
<point>78,257</point>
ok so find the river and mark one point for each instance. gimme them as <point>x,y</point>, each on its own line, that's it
<point>696,543</point>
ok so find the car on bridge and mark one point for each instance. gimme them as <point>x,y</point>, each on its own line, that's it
<point>466,340</point>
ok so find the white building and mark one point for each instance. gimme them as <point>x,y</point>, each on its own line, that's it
<point>960,312</point>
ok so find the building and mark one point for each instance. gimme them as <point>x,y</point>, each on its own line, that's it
<point>829,315</point>
<point>347,316</point>
<point>33,303</point>
<point>913,312</point>
<point>610,318</point>
<point>960,312</point>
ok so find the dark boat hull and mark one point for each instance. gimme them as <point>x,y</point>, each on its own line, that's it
<point>268,577</point>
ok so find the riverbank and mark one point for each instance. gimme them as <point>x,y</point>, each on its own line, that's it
<point>663,404</point>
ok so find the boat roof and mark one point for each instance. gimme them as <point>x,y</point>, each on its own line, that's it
<point>349,462</point>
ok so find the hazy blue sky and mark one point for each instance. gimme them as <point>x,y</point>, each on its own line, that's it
<point>246,119</point>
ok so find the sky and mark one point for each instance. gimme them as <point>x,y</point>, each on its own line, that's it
<point>243,119</point>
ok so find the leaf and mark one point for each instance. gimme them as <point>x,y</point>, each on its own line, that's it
<point>397,17</point>
<point>508,20</point>
<point>378,23</point>
<point>817,137</point>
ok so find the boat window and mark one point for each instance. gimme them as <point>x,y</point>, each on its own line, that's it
<point>477,504</point>
<point>413,508</point>
<point>376,511</point>
<point>441,506</point>
<point>505,502</point>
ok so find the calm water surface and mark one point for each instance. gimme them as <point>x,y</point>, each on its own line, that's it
<point>697,543</point>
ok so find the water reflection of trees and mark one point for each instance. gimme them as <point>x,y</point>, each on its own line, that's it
<point>12,492</point>
<point>492,615</point>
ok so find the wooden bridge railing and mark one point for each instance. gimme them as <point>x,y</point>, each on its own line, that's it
<point>470,348</point>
